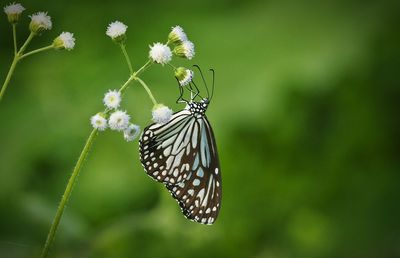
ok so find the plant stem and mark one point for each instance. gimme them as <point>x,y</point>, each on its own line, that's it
<point>17,57</point>
<point>25,45</point>
<point>128,60</point>
<point>143,68</point>
<point>147,90</point>
<point>8,78</point>
<point>37,51</point>
<point>14,28</point>
<point>67,193</point>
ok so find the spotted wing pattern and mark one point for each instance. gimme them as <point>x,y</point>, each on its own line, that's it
<point>199,195</point>
<point>165,150</point>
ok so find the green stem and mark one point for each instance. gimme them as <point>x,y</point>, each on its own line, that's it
<point>17,57</point>
<point>25,45</point>
<point>147,90</point>
<point>143,68</point>
<point>37,51</point>
<point>67,193</point>
<point>128,60</point>
<point>8,78</point>
<point>14,27</point>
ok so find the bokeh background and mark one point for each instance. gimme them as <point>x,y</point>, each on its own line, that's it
<point>305,113</point>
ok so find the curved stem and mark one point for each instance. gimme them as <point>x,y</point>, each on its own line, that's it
<point>8,77</point>
<point>37,51</point>
<point>67,193</point>
<point>147,90</point>
<point>125,85</point>
<point>128,60</point>
<point>14,28</point>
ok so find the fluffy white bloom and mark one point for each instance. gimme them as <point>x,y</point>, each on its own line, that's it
<point>131,132</point>
<point>161,114</point>
<point>112,99</point>
<point>186,50</point>
<point>40,21</point>
<point>14,8</point>
<point>116,29</point>
<point>160,53</point>
<point>66,41</point>
<point>119,120</point>
<point>177,35</point>
<point>98,122</point>
<point>184,75</point>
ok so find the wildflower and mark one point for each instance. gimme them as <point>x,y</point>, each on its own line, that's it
<point>13,12</point>
<point>177,35</point>
<point>99,122</point>
<point>112,99</point>
<point>160,53</point>
<point>161,114</point>
<point>66,41</point>
<point>185,49</point>
<point>119,120</point>
<point>39,22</point>
<point>131,132</point>
<point>184,75</point>
<point>116,31</point>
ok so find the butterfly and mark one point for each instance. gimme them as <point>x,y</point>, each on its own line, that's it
<point>182,154</point>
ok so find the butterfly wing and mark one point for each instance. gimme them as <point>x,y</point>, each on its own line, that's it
<point>199,195</point>
<point>166,149</point>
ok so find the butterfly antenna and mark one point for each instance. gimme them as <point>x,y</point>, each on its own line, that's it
<point>213,85</point>
<point>204,81</point>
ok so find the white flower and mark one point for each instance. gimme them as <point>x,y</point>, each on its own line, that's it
<point>66,41</point>
<point>161,114</point>
<point>186,50</point>
<point>177,35</point>
<point>40,21</point>
<point>98,122</point>
<point>116,30</point>
<point>184,75</point>
<point>112,99</point>
<point>13,11</point>
<point>119,120</point>
<point>160,53</point>
<point>131,132</point>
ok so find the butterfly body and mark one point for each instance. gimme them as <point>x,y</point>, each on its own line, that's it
<point>182,154</point>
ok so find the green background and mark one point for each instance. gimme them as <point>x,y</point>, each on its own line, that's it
<point>305,114</point>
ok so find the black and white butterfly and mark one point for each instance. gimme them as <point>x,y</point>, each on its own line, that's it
<point>182,154</point>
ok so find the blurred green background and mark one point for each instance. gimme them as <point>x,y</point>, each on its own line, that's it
<point>305,113</point>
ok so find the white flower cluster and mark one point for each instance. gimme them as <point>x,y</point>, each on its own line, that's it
<point>65,40</point>
<point>40,21</point>
<point>116,31</point>
<point>118,120</point>
<point>184,75</point>
<point>13,12</point>
<point>161,114</point>
<point>162,54</point>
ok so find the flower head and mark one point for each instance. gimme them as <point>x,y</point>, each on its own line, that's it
<point>131,132</point>
<point>99,122</point>
<point>13,12</point>
<point>160,53</point>
<point>184,75</point>
<point>112,99</point>
<point>161,114</point>
<point>119,120</point>
<point>177,35</point>
<point>39,22</point>
<point>116,31</point>
<point>186,50</point>
<point>65,40</point>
